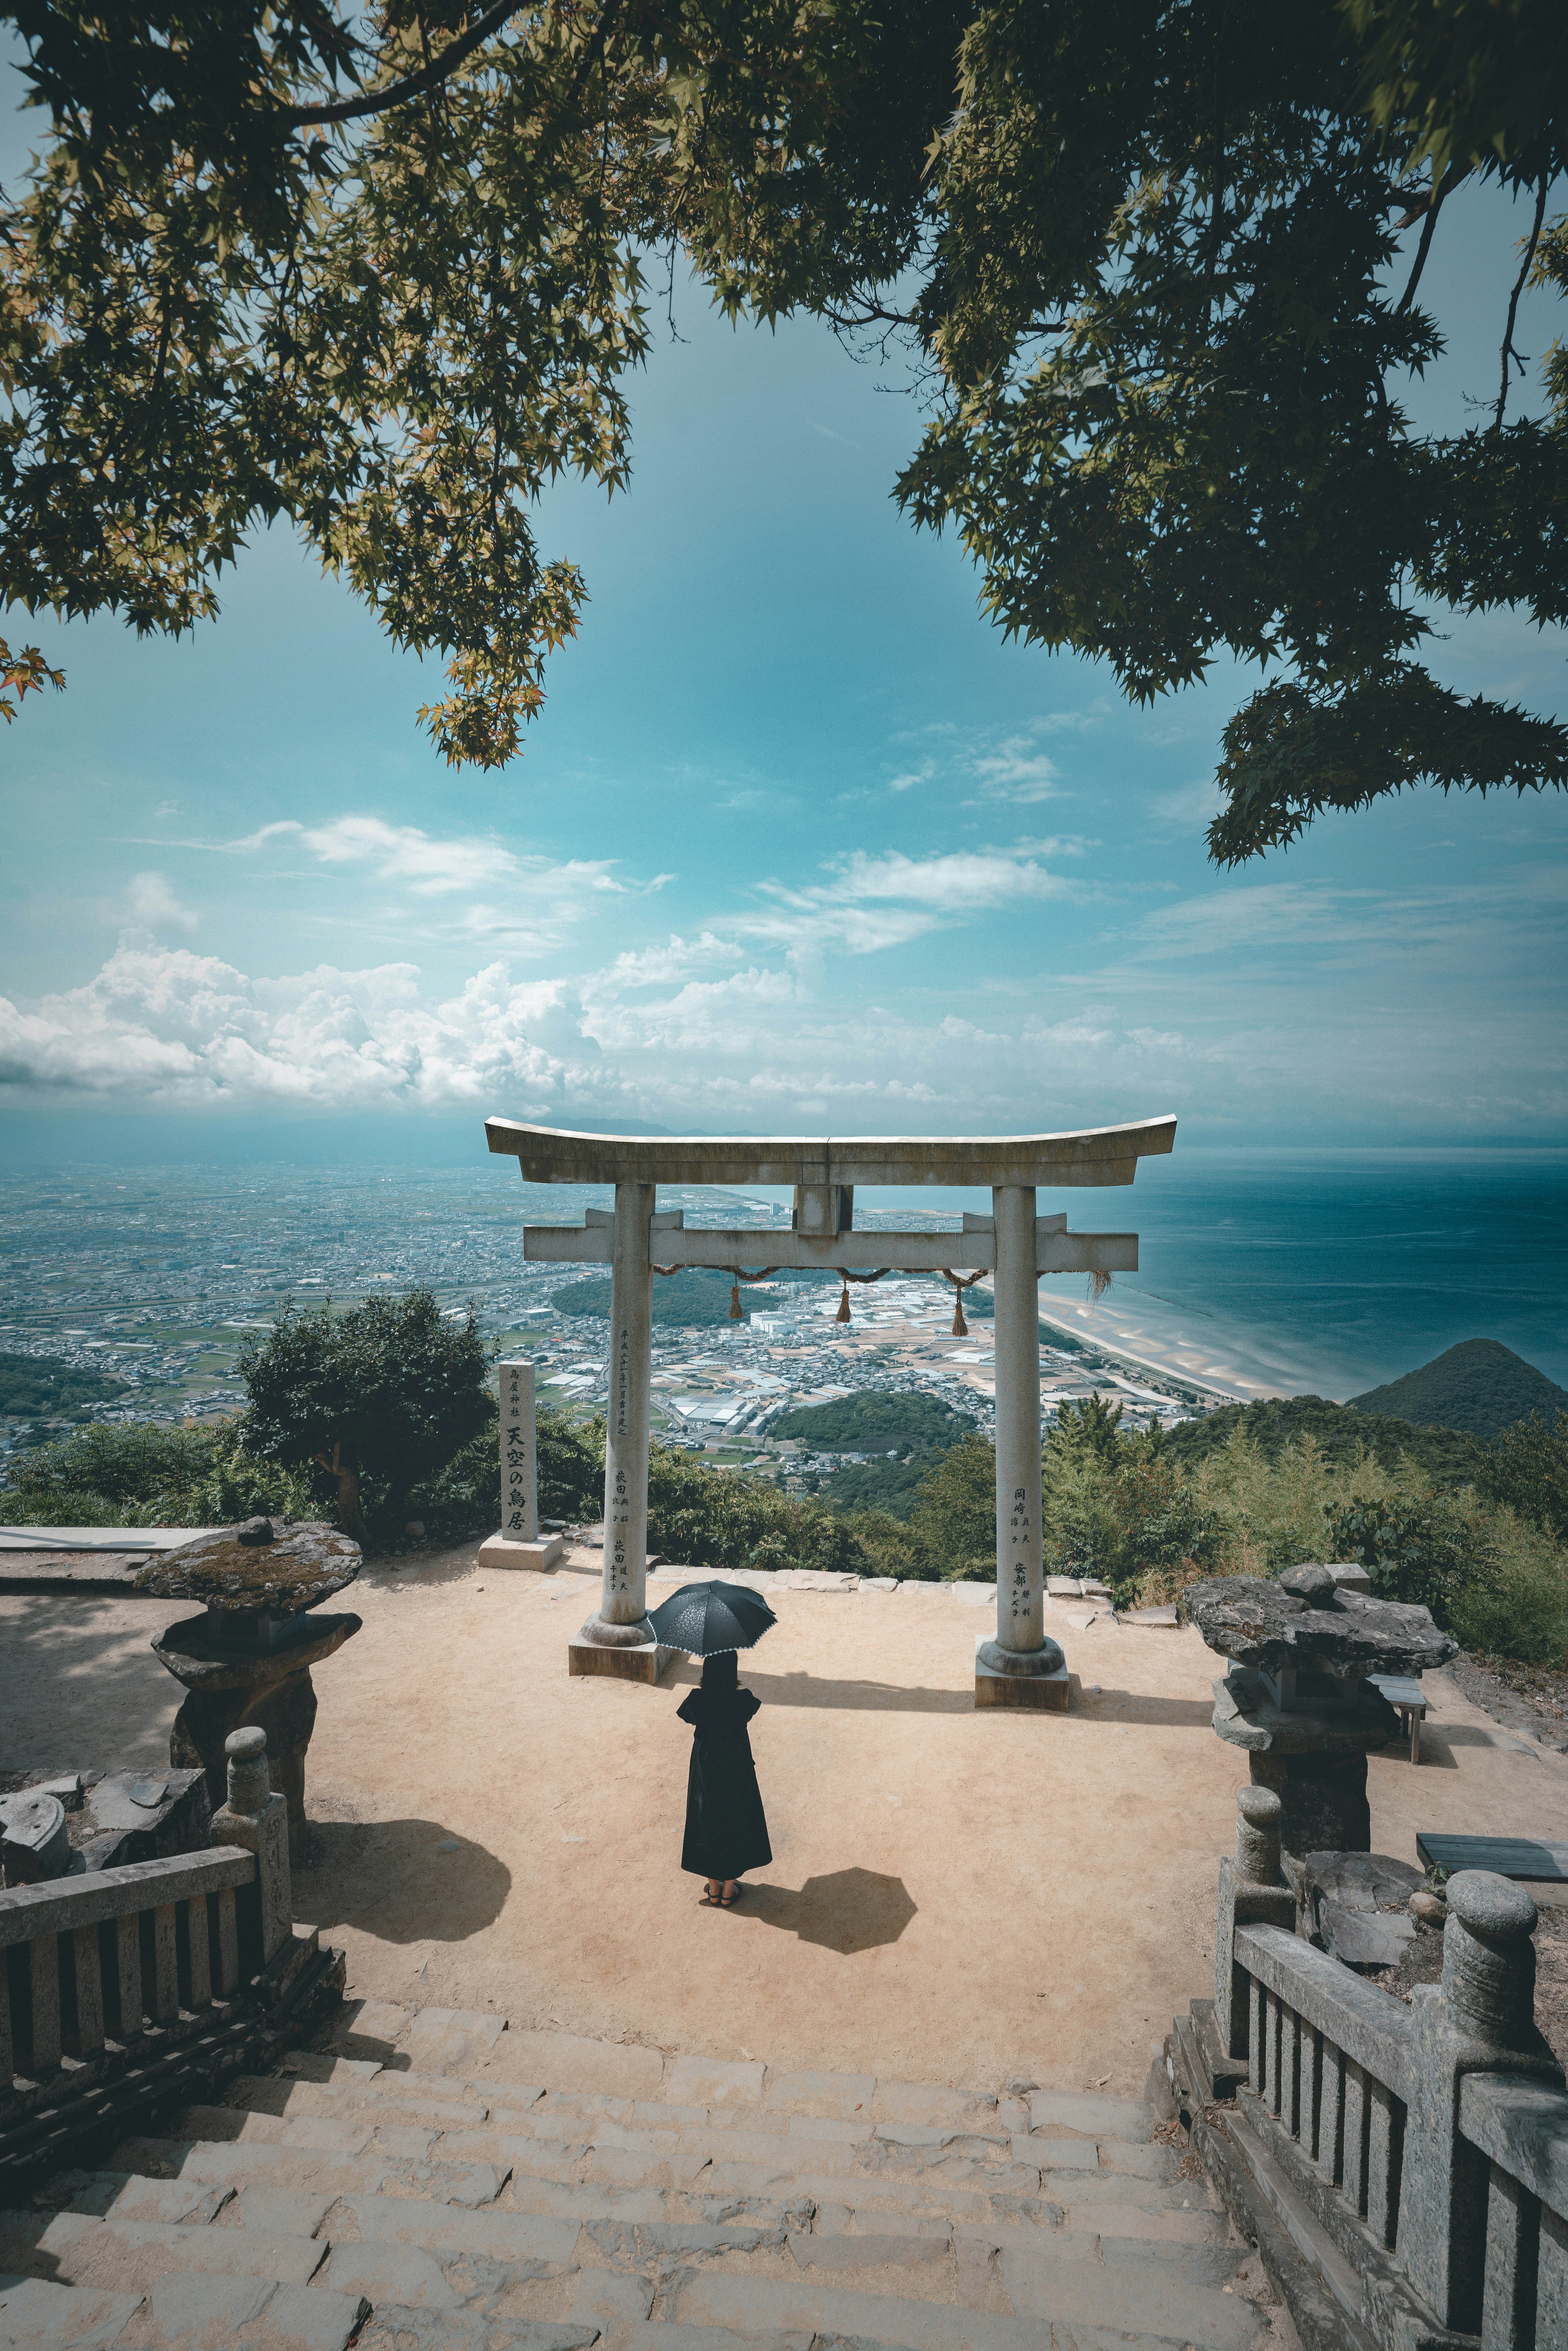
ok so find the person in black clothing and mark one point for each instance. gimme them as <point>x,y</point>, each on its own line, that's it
<point>727,1830</point>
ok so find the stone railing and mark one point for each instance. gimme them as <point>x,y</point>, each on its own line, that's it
<point>105,1956</point>
<point>1424,2148</point>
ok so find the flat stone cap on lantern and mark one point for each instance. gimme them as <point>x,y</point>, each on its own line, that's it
<point>302,1565</point>
<point>1091,1155</point>
<point>1261,1623</point>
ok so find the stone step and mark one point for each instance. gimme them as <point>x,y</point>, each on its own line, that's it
<point>40,2310</point>
<point>132,2196</point>
<point>258,2170</point>
<point>469,2166</point>
<point>446,2240</point>
<point>695,2090</point>
<point>331,2120</point>
<point>176,2309</point>
<point>397,2327</point>
<point>1101,2306</point>
<point>628,2070</point>
<point>632,2158</point>
<point>193,2314</point>
<point>129,2256</point>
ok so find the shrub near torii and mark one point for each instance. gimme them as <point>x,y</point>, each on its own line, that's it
<point>389,1390</point>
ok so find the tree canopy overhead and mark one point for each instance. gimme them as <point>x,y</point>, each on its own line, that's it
<point>383,273</point>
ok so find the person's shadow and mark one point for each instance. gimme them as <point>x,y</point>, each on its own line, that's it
<point>848,1910</point>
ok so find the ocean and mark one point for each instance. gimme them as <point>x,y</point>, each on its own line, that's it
<point>1262,1271</point>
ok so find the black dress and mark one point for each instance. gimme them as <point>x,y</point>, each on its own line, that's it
<point>727,1830</point>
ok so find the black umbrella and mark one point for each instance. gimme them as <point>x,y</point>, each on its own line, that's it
<point>706,1618</point>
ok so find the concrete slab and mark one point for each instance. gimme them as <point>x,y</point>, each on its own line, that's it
<point>643,1663</point>
<point>1024,1694</point>
<point>541,1557</point>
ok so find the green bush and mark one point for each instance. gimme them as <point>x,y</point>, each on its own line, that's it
<point>464,1496</point>
<point>1518,1608</point>
<point>1424,1551</point>
<point>137,1474</point>
<point>718,1518</point>
<point>885,1543</point>
<point>1528,1471</point>
<point>953,1531</point>
<point>1342,1435</point>
<point>387,1394</point>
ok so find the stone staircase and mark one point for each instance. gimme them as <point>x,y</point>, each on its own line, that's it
<point>430,2181</point>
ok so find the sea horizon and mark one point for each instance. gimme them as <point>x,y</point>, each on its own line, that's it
<point>1263,1270</point>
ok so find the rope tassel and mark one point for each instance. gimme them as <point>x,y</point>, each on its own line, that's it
<point>738,1275</point>
<point>843,1313</point>
<point>960,1328</point>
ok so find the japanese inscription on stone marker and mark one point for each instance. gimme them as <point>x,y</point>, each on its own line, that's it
<point>519,1501</point>
<point>1020,1550</point>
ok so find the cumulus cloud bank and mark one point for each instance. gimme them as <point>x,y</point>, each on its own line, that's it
<point>164,1024</point>
<point>772,1014</point>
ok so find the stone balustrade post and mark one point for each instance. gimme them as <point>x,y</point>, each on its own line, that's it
<point>1252,1892</point>
<point>1260,1814</point>
<point>1481,2020</point>
<point>257,1818</point>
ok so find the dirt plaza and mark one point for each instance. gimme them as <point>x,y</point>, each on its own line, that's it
<point>955,1897</point>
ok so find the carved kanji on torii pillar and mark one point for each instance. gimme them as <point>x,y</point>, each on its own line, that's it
<point>1021,1667</point>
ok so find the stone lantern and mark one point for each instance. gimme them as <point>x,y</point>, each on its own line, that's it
<point>246,1659</point>
<point>1299,1698</point>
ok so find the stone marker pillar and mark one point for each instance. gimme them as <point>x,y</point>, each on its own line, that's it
<point>1480,2021</point>
<point>256,1818</point>
<point>518,1544</point>
<point>620,1640</point>
<point>1022,1667</point>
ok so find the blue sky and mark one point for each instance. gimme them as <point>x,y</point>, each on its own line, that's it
<point>799,841</point>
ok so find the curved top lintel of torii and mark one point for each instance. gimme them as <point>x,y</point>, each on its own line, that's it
<point>1089,1155</point>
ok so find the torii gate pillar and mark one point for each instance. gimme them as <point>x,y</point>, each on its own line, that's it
<point>1022,1666</point>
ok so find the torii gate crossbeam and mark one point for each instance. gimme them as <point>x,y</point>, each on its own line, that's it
<point>1021,1667</point>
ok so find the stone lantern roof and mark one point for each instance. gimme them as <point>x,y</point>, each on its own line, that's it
<point>266,1568</point>
<point>1306,1620</point>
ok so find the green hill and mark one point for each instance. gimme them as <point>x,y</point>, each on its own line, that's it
<point>45,1387</point>
<point>1478,1386</point>
<point>693,1298</point>
<point>1448,1457</point>
<point>874,1424</point>
<point>919,1430</point>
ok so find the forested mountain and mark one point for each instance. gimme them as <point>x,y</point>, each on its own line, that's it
<point>1479,1387</point>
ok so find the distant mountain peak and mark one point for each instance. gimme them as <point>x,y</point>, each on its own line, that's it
<point>1479,1387</point>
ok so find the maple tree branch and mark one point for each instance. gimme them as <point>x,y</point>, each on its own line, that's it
<point>1508,350</point>
<point>1444,188</point>
<point>414,85</point>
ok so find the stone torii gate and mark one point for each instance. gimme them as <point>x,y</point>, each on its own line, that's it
<point>1021,1667</point>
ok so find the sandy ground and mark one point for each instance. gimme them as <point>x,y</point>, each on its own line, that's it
<point>954,1897</point>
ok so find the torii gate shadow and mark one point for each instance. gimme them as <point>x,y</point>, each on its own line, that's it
<point>801,1688</point>
<point>848,1910</point>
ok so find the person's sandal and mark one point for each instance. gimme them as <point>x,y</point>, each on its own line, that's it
<point>729,1901</point>
<point>711,1900</point>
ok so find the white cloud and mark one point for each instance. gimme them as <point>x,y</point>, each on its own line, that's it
<point>1016,771</point>
<point>160,1025</point>
<point>397,854</point>
<point>870,904</point>
<point>150,902</point>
